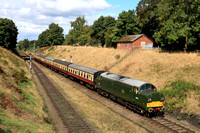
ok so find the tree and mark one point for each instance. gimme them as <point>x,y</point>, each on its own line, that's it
<point>100,27</point>
<point>43,39</point>
<point>78,29</point>
<point>24,45</point>
<point>179,21</point>
<point>8,34</point>
<point>147,13</point>
<point>127,24</point>
<point>109,37</point>
<point>51,36</point>
<point>55,36</point>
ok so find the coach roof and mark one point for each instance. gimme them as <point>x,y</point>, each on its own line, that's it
<point>50,58</point>
<point>82,68</point>
<point>40,55</point>
<point>62,62</point>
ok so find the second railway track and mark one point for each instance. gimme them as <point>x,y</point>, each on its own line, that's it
<point>70,118</point>
<point>72,121</point>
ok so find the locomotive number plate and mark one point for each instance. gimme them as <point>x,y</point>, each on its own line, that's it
<point>155,104</point>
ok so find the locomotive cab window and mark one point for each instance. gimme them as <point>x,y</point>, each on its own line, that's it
<point>147,87</point>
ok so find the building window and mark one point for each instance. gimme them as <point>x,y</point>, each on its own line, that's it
<point>125,44</point>
<point>129,44</point>
<point>122,44</point>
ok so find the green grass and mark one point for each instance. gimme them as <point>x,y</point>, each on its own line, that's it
<point>176,92</point>
<point>178,117</point>
<point>51,48</point>
<point>21,126</point>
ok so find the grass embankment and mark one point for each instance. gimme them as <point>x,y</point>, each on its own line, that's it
<point>158,68</point>
<point>21,107</point>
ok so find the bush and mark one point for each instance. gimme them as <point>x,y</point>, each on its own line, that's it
<point>52,48</point>
<point>20,77</point>
<point>179,117</point>
<point>176,92</point>
<point>117,56</point>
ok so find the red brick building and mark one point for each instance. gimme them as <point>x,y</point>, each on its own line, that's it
<point>130,42</point>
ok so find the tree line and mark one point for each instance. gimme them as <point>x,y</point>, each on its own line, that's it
<point>171,24</point>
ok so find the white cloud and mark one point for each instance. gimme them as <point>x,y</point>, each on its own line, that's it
<point>33,16</point>
<point>68,7</point>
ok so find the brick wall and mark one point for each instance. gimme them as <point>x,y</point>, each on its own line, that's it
<point>126,46</point>
<point>137,43</point>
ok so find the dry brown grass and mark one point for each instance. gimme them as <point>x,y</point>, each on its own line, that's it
<point>158,68</point>
<point>192,103</point>
<point>147,65</point>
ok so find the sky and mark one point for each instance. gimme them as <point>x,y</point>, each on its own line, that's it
<point>34,16</point>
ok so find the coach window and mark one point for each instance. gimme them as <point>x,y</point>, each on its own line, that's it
<point>90,77</point>
<point>81,73</point>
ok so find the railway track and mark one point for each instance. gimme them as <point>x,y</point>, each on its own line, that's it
<point>167,126</point>
<point>70,118</point>
<point>160,123</point>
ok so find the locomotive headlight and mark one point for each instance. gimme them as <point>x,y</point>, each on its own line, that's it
<point>162,99</point>
<point>149,99</point>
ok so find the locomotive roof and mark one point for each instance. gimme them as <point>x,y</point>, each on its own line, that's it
<point>126,80</point>
<point>50,58</point>
<point>62,62</point>
<point>82,68</point>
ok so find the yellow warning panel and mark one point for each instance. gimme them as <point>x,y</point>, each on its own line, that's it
<point>155,104</point>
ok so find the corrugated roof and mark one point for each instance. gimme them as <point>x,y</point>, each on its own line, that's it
<point>130,38</point>
<point>126,80</point>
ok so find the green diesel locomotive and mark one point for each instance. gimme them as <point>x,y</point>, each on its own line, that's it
<point>136,95</point>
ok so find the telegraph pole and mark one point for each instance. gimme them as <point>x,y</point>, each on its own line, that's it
<point>30,62</point>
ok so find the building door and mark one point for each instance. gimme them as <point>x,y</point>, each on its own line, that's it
<point>142,43</point>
